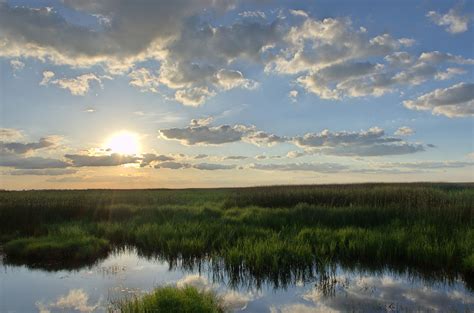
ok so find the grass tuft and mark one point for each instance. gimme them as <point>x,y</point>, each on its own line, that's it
<point>171,300</point>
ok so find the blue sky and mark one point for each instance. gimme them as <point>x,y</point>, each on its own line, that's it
<point>142,94</point>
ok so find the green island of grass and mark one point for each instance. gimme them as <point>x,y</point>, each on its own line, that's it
<point>171,299</point>
<point>277,234</point>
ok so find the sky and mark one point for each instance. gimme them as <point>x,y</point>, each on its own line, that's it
<point>178,94</point>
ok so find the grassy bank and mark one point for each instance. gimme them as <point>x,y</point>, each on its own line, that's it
<point>171,299</point>
<point>269,233</point>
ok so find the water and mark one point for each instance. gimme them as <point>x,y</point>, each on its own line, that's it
<point>125,274</point>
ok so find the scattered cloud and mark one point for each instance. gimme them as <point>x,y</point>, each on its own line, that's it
<point>17,65</point>
<point>301,13</point>
<point>404,131</point>
<point>144,80</point>
<point>453,21</point>
<point>454,101</point>
<point>293,94</point>
<point>77,300</point>
<point>253,14</point>
<point>383,291</point>
<point>450,73</point>
<point>372,142</point>
<point>77,86</point>
<point>193,96</point>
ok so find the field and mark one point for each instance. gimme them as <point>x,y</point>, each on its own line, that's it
<point>265,234</point>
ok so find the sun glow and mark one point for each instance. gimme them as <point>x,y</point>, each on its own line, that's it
<point>124,143</point>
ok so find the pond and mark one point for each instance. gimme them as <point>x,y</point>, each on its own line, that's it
<point>125,273</point>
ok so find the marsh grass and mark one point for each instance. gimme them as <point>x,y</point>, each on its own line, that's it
<point>171,300</point>
<point>68,247</point>
<point>266,233</point>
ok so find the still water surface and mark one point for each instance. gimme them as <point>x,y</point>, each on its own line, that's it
<point>125,274</point>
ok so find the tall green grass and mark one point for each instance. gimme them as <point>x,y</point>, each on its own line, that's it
<point>171,300</point>
<point>278,234</point>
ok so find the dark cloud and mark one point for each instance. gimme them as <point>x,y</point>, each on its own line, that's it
<point>212,167</point>
<point>80,160</point>
<point>454,101</point>
<point>149,158</point>
<point>306,167</point>
<point>44,172</point>
<point>327,138</point>
<point>22,148</point>
<point>203,134</point>
<point>172,165</point>
<point>31,162</point>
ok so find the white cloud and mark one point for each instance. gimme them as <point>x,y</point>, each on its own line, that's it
<point>438,57</point>
<point>77,300</point>
<point>344,79</point>
<point>229,79</point>
<point>454,101</point>
<point>17,65</point>
<point>47,76</point>
<point>293,94</point>
<point>450,73</point>
<point>10,134</point>
<point>144,80</point>
<point>316,44</point>
<point>194,96</point>
<point>453,21</point>
<point>77,86</point>
<point>386,293</point>
<point>295,154</point>
<point>404,131</point>
<point>299,13</point>
<point>253,14</point>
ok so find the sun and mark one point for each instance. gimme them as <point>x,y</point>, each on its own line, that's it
<point>124,142</point>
